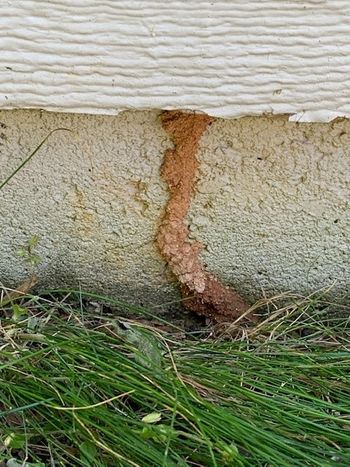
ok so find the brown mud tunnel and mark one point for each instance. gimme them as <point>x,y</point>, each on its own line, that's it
<point>203,293</point>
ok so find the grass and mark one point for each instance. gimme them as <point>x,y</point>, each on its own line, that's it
<point>82,387</point>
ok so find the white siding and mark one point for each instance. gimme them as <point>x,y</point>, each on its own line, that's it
<point>227,58</point>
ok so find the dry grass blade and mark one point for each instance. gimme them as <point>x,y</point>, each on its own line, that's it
<point>9,295</point>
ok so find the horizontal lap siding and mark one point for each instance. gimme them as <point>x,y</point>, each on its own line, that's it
<point>226,58</point>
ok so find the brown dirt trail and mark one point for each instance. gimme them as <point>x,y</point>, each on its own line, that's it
<point>204,293</point>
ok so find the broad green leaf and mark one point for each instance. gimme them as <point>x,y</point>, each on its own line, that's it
<point>18,313</point>
<point>153,417</point>
<point>15,441</point>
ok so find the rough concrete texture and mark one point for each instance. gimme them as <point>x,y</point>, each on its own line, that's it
<point>270,205</point>
<point>93,197</point>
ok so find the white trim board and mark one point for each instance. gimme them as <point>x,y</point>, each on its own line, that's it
<point>228,58</point>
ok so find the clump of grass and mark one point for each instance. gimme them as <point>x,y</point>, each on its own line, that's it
<point>81,387</point>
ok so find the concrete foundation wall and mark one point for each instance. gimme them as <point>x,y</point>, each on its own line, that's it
<point>271,204</point>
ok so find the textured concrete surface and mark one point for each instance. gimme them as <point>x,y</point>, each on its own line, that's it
<point>226,58</point>
<point>271,203</point>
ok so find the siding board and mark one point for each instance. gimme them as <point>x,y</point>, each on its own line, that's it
<point>226,58</point>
